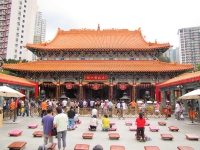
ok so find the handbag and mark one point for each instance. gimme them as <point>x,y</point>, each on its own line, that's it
<point>54,132</point>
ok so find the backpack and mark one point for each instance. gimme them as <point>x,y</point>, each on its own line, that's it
<point>33,104</point>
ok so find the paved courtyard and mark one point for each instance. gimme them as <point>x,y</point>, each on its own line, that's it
<point>127,138</point>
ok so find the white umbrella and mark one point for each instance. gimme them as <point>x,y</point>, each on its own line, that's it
<point>9,92</point>
<point>191,95</point>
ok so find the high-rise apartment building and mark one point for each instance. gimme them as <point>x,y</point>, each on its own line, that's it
<point>189,44</point>
<point>40,28</point>
<point>173,54</point>
<point>17,22</point>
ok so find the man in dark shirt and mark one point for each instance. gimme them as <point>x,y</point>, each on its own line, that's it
<point>71,114</point>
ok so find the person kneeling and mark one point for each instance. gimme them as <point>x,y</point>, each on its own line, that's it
<point>140,122</point>
<point>105,123</point>
<point>93,123</point>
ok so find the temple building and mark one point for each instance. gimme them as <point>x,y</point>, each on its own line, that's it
<point>102,64</point>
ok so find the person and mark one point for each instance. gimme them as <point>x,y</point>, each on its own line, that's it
<point>140,122</point>
<point>124,109</point>
<point>98,147</point>
<point>32,107</point>
<point>47,122</point>
<point>71,115</point>
<point>19,108</point>
<point>132,104</point>
<point>110,105</point>
<point>105,123</point>
<point>27,107</point>
<point>44,108</point>
<point>177,110</point>
<point>157,109</point>
<point>64,103</point>
<point>94,112</point>
<point>60,122</point>
<point>93,122</point>
<point>197,106</point>
<point>105,106</point>
<point>22,108</point>
<point>12,108</point>
<point>120,110</point>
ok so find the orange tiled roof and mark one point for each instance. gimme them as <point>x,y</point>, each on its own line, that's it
<point>99,40</point>
<point>98,66</point>
<point>184,78</point>
<point>4,78</point>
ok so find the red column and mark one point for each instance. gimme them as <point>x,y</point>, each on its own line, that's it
<point>36,89</point>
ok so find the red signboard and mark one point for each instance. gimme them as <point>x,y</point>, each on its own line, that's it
<point>69,86</point>
<point>95,77</point>
<point>95,86</point>
<point>122,86</point>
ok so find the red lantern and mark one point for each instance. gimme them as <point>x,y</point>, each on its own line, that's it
<point>95,86</point>
<point>69,86</point>
<point>122,86</point>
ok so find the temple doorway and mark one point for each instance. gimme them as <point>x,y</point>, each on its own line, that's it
<point>71,93</point>
<point>101,94</point>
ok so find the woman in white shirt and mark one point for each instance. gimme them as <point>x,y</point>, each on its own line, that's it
<point>177,110</point>
<point>60,122</point>
<point>93,123</point>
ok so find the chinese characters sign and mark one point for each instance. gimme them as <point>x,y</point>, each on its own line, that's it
<point>95,77</point>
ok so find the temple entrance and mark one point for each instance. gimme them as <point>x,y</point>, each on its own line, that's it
<point>96,94</point>
<point>71,93</point>
<point>118,93</point>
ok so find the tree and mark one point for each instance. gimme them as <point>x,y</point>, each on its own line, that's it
<point>164,59</point>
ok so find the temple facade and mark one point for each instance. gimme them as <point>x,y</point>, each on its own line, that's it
<point>102,64</point>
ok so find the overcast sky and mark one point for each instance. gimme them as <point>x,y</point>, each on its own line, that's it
<point>158,19</point>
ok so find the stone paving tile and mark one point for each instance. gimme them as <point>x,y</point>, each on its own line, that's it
<point>127,138</point>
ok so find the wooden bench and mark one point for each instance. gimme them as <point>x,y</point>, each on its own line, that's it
<point>162,123</point>
<point>114,136</point>
<point>17,145</point>
<point>52,147</point>
<point>112,123</point>
<point>166,136</point>
<point>151,148</point>
<point>147,124</point>
<point>33,126</point>
<point>15,133</point>
<point>133,128</point>
<point>128,123</point>
<point>184,148</point>
<point>117,147</point>
<point>173,128</point>
<point>81,147</point>
<point>154,129</point>
<point>87,135</point>
<point>192,137</point>
<point>38,133</point>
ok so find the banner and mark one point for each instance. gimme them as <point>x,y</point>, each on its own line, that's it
<point>69,86</point>
<point>95,77</point>
<point>122,86</point>
<point>95,86</point>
